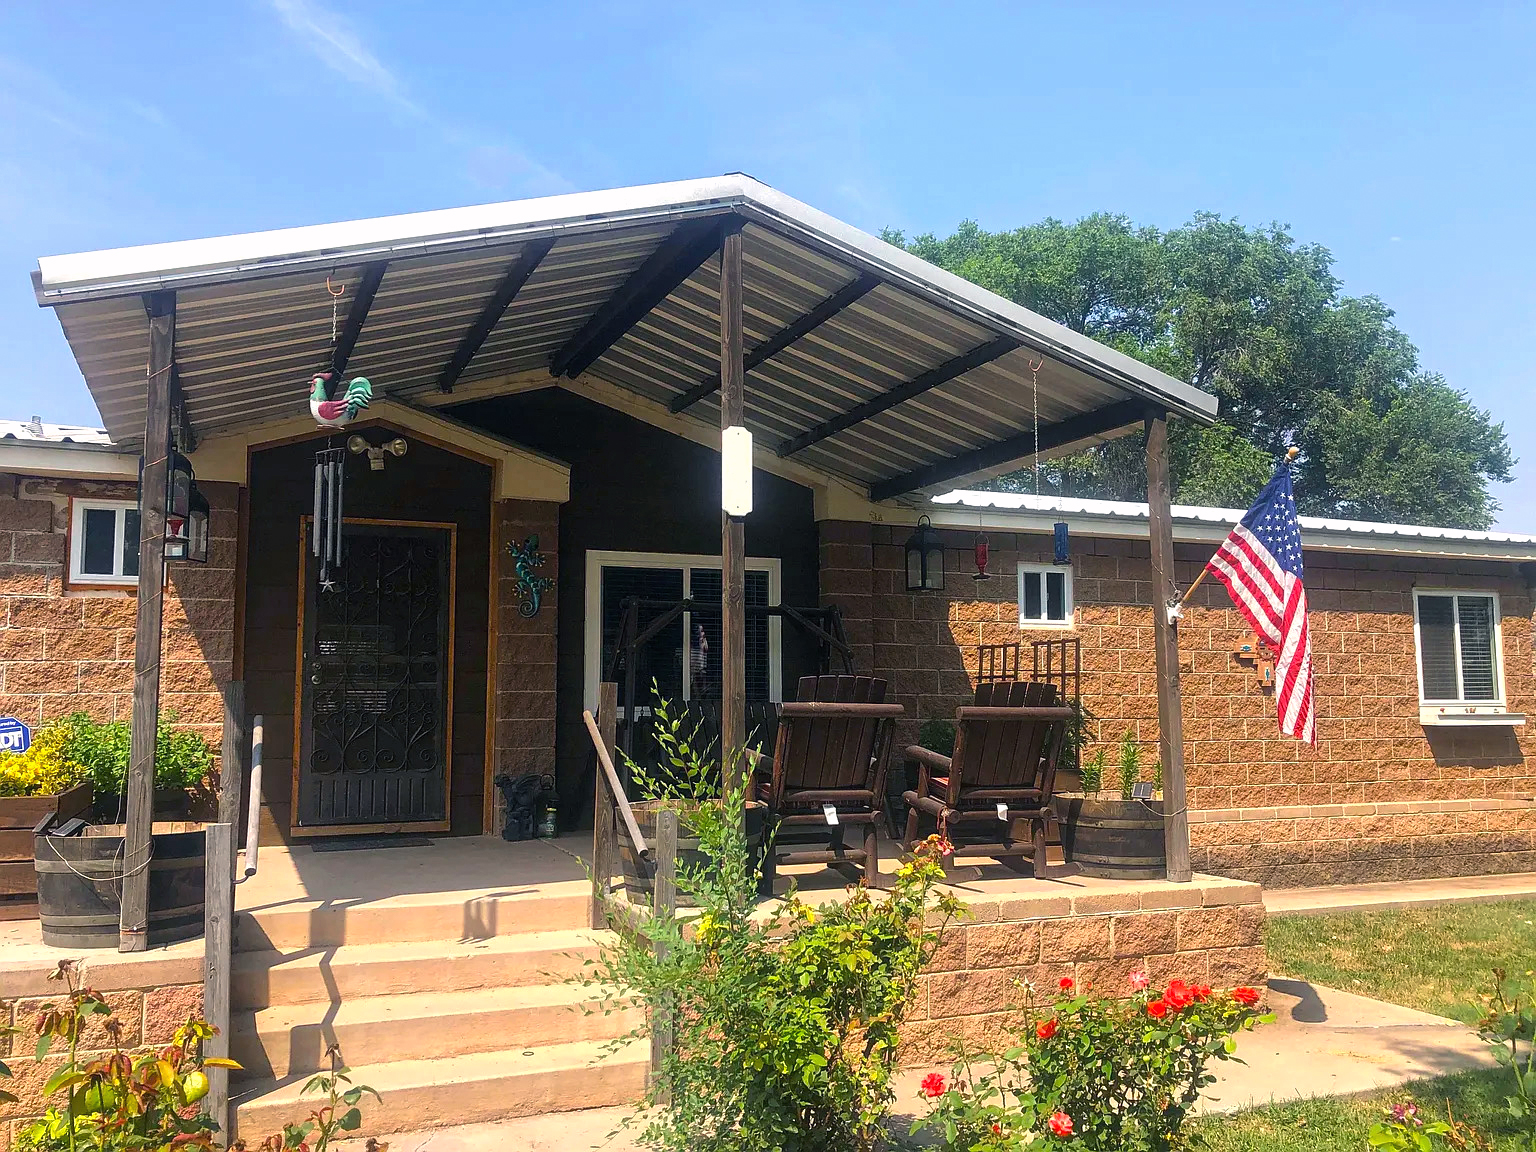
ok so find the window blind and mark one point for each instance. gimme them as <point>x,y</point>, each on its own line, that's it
<point>1475,615</point>
<point>1457,647</point>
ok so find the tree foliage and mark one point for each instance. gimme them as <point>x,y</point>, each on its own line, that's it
<point>1260,320</point>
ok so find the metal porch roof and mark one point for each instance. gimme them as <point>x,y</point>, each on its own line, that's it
<point>254,323</point>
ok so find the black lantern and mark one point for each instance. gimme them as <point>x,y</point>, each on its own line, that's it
<point>925,559</point>
<point>197,528</point>
<point>178,506</point>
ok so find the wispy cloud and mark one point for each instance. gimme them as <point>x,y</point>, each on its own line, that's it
<point>340,46</point>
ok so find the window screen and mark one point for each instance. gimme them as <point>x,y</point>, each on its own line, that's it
<point>99,542</point>
<point>130,541</point>
<point>706,644</point>
<point>1458,648</point>
<point>661,657</point>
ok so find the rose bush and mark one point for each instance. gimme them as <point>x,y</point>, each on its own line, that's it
<point>1105,1074</point>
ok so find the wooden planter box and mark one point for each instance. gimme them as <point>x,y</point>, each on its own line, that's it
<point>1110,837</point>
<point>18,816</point>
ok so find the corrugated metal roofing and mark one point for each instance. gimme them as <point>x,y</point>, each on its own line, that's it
<point>254,322</point>
<point>1317,531</point>
<point>34,431</point>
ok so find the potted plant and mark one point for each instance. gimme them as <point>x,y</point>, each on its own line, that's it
<point>42,781</point>
<point>183,764</point>
<point>1115,833</point>
<point>684,778</point>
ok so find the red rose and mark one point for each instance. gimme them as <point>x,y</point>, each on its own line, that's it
<point>1178,995</point>
<point>1201,992</point>
<point>997,1129</point>
<point>1060,1124</point>
<point>1249,996</point>
<point>1066,984</point>
<point>932,1085</point>
<point>1046,1028</point>
<point>1157,1009</point>
<point>1140,980</point>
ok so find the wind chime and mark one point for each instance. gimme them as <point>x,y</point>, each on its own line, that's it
<point>325,535</point>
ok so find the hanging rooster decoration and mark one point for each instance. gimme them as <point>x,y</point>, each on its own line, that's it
<point>338,413</point>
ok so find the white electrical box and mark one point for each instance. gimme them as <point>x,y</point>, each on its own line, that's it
<point>736,471</point>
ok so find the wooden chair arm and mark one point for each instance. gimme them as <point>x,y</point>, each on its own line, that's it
<point>792,708</point>
<point>976,712</point>
<point>926,804</point>
<point>927,760</point>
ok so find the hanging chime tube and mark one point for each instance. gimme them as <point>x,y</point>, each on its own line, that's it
<point>317,522</point>
<point>337,513</point>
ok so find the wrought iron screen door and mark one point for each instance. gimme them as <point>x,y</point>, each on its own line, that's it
<point>375,682</point>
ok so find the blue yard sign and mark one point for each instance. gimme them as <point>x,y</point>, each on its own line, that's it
<point>14,735</point>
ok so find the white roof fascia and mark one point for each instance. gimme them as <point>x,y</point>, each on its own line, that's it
<point>1007,511</point>
<point>67,459</point>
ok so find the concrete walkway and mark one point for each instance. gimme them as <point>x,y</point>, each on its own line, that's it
<point>1399,894</point>
<point>1323,1043</point>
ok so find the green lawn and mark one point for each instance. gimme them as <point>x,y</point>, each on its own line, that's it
<point>1435,959</point>
<point>1340,1125</point>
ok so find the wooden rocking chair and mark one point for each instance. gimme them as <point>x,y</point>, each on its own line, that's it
<point>829,766</point>
<point>1003,770</point>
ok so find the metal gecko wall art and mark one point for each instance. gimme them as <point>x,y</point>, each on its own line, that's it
<point>531,586</point>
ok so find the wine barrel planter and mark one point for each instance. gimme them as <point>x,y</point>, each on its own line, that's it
<point>170,804</point>
<point>18,816</point>
<point>640,875</point>
<point>1114,838</point>
<point>79,885</point>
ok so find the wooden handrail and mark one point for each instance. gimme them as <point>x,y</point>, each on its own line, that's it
<point>619,799</point>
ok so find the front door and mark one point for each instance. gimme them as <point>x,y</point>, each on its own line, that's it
<point>375,683</point>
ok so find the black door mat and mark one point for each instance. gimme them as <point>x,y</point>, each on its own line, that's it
<point>371,843</point>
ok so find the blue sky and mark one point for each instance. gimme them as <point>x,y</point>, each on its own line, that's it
<point>1399,136</point>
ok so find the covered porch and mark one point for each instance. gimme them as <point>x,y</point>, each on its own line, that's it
<point>565,369</point>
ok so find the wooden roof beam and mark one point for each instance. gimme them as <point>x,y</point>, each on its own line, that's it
<point>678,257</point>
<point>1084,426</point>
<point>860,287</point>
<point>517,275</point>
<point>943,374</point>
<point>362,300</point>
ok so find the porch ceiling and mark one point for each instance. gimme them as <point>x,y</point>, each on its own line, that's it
<point>873,366</point>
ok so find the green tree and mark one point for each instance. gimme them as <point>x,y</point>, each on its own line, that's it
<point>1260,320</point>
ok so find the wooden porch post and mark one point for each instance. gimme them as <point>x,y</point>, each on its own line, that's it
<point>133,926</point>
<point>733,548</point>
<point>1170,714</point>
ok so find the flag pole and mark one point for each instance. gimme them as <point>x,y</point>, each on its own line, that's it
<point>1290,454</point>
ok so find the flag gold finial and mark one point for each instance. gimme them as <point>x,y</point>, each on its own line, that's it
<point>1292,452</point>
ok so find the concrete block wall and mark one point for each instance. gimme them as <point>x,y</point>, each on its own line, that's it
<point>524,731</point>
<point>1010,949</point>
<point>64,650</point>
<point>1371,747</point>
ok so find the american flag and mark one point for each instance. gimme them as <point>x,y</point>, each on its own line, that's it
<point>1260,563</point>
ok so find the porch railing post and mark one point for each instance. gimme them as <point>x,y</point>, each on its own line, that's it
<point>1165,636</point>
<point>663,906</point>
<point>604,839</point>
<point>218,943</point>
<point>232,759</point>
<point>133,922</point>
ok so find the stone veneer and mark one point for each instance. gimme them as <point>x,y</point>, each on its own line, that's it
<point>1371,747</point>
<point>64,650</point>
<point>151,994</point>
<point>1095,932</point>
<point>524,735</point>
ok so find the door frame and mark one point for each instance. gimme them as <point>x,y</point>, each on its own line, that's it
<point>446,823</point>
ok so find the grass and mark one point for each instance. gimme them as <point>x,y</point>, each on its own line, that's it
<point>1341,1124</point>
<point>1436,959</point>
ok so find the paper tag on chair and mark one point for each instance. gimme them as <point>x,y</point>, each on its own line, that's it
<point>830,812</point>
<point>1002,811</point>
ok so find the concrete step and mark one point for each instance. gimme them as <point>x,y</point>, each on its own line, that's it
<point>275,1043</point>
<point>273,978</point>
<point>469,1089</point>
<point>469,915</point>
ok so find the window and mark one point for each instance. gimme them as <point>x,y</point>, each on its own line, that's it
<point>691,670</point>
<point>103,542</point>
<point>1458,643</point>
<point>1045,595</point>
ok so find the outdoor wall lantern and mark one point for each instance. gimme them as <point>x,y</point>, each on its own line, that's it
<point>179,490</point>
<point>197,527</point>
<point>925,559</point>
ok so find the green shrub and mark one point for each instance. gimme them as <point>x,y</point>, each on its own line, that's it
<point>938,736</point>
<point>1130,766</point>
<point>183,759</point>
<point>1092,773</point>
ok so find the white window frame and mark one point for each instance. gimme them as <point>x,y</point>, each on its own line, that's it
<point>1438,711</point>
<point>1027,622</point>
<point>77,509</point>
<point>593,630</point>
